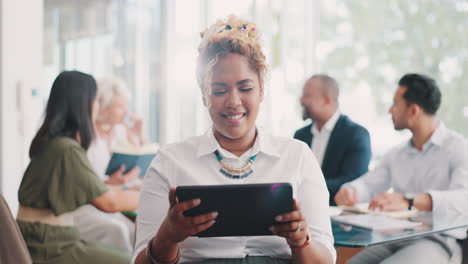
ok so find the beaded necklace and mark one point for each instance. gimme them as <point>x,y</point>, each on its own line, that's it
<point>235,173</point>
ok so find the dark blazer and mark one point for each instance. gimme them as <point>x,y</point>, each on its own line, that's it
<point>347,154</point>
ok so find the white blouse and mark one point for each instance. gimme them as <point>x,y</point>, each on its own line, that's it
<point>99,152</point>
<point>192,162</point>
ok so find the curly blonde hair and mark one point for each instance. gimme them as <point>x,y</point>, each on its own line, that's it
<point>232,35</point>
<point>107,88</point>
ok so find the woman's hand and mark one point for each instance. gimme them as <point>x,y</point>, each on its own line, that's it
<point>135,131</point>
<point>177,227</point>
<point>292,226</point>
<point>119,177</point>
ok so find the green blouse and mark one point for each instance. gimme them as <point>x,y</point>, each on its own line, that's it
<point>60,178</point>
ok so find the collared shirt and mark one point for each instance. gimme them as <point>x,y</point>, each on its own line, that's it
<point>440,169</point>
<point>192,162</point>
<point>320,140</point>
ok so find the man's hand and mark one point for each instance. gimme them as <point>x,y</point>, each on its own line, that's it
<point>346,196</point>
<point>389,202</point>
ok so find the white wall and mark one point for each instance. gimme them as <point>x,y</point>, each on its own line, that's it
<point>21,29</point>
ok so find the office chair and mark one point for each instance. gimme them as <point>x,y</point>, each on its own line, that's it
<point>12,246</point>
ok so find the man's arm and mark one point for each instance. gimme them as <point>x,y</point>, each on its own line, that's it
<point>455,199</point>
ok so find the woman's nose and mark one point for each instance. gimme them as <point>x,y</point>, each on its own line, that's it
<point>234,99</point>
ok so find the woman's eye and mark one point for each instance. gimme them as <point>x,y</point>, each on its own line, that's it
<point>219,92</point>
<point>247,89</point>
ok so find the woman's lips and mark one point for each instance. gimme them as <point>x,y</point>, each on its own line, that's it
<point>234,118</point>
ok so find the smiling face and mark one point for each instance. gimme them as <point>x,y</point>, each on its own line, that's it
<point>235,98</point>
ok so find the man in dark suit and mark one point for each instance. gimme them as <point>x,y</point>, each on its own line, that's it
<point>341,146</point>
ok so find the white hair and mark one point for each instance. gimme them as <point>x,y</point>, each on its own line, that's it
<point>108,88</point>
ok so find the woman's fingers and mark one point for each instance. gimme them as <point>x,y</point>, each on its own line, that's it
<point>172,196</point>
<point>133,173</point>
<point>288,217</point>
<point>201,227</point>
<point>294,226</point>
<point>186,205</point>
<point>291,230</point>
<point>204,218</point>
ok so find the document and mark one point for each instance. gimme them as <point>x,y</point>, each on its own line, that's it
<point>334,211</point>
<point>364,209</point>
<point>375,222</point>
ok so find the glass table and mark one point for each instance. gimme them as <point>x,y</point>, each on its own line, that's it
<point>356,237</point>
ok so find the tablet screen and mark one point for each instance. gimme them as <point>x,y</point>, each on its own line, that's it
<point>244,209</point>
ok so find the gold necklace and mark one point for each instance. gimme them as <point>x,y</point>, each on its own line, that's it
<point>235,173</point>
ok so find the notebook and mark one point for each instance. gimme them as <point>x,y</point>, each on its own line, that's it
<point>132,157</point>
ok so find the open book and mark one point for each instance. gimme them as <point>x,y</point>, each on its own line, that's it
<point>364,209</point>
<point>131,157</point>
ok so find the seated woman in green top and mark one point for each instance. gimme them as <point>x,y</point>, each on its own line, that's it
<point>59,179</point>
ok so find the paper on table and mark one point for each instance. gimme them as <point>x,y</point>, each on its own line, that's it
<point>334,211</point>
<point>375,222</point>
<point>364,208</point>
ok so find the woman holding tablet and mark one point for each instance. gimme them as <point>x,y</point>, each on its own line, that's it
<point>231,70</point>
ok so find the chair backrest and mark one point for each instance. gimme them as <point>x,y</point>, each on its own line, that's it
<point>465,251</point>
<point>12,246</point>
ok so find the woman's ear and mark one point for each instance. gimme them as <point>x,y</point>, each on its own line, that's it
<point>261,94</point>
<point>205,99</point>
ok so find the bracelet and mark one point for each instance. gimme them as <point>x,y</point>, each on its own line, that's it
<point>151,259</point>
<point>303,245</point>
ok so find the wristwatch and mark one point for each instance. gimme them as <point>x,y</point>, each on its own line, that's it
<point>410,199</point>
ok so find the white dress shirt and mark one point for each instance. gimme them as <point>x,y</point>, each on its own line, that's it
<point>440,169</point>
<point>320,139</point>
<point>192,162</point>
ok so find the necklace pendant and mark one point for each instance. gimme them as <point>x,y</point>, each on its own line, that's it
<point>235,173</point>
<point>235,176</point>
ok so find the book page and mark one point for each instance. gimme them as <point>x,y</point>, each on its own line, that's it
<point>127,148</point>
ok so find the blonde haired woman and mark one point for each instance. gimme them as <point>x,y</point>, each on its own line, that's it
<point>114,126</point>
<point>231,72</point>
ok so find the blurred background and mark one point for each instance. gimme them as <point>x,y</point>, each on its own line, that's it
<point>152,45</point>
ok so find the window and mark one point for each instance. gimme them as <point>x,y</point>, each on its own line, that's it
<point>109,38</point>
<point>367,46</point>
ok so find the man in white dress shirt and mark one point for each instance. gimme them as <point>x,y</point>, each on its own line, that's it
<point>341,146</point>
<point>429,172</point>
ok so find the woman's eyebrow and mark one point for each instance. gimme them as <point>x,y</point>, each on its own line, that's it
<point>219,84</point>
<point>244,81</point>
